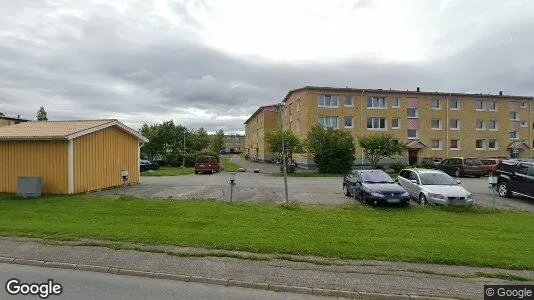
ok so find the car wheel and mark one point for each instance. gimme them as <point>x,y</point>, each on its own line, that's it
<point>422,199</point>
<point>457,173</point>
<point>503,188</point>
<point>346,191</point>
<point>363,198</point>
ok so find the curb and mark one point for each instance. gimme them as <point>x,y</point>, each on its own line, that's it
<point>218,281</point>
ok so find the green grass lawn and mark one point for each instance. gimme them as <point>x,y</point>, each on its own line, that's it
<point>228,165</point>
<point>478,237</point>
<point>169,171</point>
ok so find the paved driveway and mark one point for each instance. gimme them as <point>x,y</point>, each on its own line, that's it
<point>263,187</point>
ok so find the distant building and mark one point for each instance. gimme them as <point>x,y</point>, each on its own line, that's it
<point>6,121</point>
<point>263,121</point>
<point>234,143</point>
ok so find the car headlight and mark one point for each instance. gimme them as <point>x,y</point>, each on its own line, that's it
<point>405,194</point>
<point>469,197</point>
<point>375,194</point>
<point>436,196</point>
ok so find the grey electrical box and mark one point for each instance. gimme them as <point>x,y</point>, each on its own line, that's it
<point>29,186</point>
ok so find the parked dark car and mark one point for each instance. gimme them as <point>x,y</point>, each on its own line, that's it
<point>145,165</point>
<point>374,187</point>
<point>207,164</point>
<point>514,177</point>
<point>489,164</point>
<point>462,166</point>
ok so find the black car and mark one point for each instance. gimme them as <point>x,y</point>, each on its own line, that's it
<point>145,165</point>
<point>374,187</point>
<point>514,176</point>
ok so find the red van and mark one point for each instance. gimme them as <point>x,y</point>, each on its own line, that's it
<point>205,163</point>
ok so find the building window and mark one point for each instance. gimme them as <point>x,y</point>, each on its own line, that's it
<point>454,124</point>
<point>395,123</point>
<point>513,135</point>
<point>435,124</point>
<point>328,101</point>
<point>524,124</point>
<point>328,122</point>
<point>492,105</point>
<point>514,115</point>
<point>436,144</point>
<point>436,103</point>
<point>376,102</point>
<point>524,104</point>
<point>493,125</point>
<point>479,144</point>
<point>395,102</point>
<point>479,105</point>
<point>348,122</point>
<point>454,104</point>
<point>413,133</point>
<point>455,145</point>
<point>492,145</point>
<point>412,112</point>
<point>348,101</point>
<point>479,125</point>
<point>376,123</point>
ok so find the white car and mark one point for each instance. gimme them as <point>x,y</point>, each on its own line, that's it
<point>434,187</point>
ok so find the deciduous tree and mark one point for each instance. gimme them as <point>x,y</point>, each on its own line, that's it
<point>332,149</point>
<point>379,146</point>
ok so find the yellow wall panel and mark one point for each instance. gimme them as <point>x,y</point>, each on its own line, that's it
<point>46,159</point>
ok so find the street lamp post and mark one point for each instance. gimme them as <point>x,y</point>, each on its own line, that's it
<point>284,160</point>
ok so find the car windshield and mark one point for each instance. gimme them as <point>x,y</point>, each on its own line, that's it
<point>436,178</point>
<point>376,177</point>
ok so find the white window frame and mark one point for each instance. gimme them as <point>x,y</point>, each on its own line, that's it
<point>377,128</point>
<point>496,144</point>
<point>496,125</point>
<point>483,144</point>
<point>524,104</point>
<point>516,116</point>
<point>323,99</point>
<point>351,101</point>
<point>481,104</point>
<point>458,124</point>
<point>328,117</point>
<point>440,124</point>
<point>483,125</point>
<point>524,124</point>
<point>457,104</point>
<point>413,137</point>
<point>378,99</point>
<point>513,138</point>
<point>496,106</point>
<point>416,113</point>
<point>393,102</point>
<point>458,145</point>
<point>398,123</point>
<point>352,121</point>
<point>432,104</point>
<point>440,145</point>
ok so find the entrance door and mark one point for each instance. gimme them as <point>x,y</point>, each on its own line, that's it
<point>514,153</point>
<point>413,156</point>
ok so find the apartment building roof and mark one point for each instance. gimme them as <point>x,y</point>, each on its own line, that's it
<point>272,106</point>
<point>383,91</point>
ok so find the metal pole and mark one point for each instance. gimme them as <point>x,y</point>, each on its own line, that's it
<point>283,154</point>
<point>183,156</point>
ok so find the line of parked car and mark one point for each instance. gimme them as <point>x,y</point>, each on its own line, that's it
<point>462,166</point>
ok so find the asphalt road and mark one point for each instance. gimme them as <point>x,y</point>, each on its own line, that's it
<point>263,187</point>
<point>90,285</point>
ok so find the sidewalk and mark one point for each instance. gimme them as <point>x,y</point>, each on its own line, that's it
<point>300,274</point>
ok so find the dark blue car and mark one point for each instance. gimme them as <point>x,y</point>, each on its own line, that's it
<point>374,187</point>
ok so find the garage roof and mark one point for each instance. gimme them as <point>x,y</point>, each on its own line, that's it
<point>61,130</point>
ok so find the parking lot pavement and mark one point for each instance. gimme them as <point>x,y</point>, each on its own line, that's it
<point>260,187</point>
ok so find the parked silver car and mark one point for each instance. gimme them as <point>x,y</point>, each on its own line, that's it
<point>434,187</point>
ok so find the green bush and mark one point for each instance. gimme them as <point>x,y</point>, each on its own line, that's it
<point>398,166</point>
<point>333,150</point>
<point>425,165</point>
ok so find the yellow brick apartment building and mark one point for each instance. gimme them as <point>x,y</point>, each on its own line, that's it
<point>433,125</point>
<point>264,120</point>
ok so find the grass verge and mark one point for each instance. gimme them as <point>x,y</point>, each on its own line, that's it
<point>462,236</point>
<point>169,171</point>
<point>228,165</point>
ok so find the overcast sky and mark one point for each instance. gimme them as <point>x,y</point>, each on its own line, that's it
<point>211,63</point>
